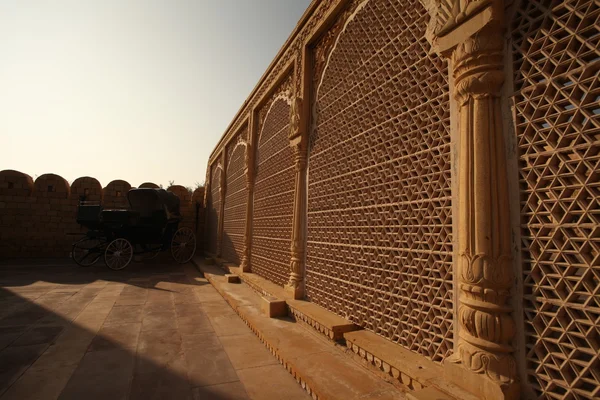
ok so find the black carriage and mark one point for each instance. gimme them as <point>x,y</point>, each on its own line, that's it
<point>150,226</point>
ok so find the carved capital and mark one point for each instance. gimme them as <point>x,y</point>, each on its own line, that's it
<point>446,15</point>
<point>478,66</point>
<point>295,118</point>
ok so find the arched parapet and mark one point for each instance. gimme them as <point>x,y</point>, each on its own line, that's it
<point>51,186</point>
<point>114,194</point>
<point>185,197</point>
<point>149,185</point>
<point>15,183</point>
<point>86,189</point>
<point>198,196</point>
<point>199,213</point>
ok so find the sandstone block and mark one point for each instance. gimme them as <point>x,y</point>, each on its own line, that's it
<point>273,307</point>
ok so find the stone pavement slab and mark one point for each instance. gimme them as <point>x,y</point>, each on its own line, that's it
<point>158,331</point>
<point>246,352</point>
<point>233,390</point>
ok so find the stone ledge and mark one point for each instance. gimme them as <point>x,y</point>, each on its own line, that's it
<point>258,283</point>
<point>412,370</point>
<point>317,365</point>
<point>406,368</point>
<point>323,321</point>
<point>416,372</point>
<point>319,319</point>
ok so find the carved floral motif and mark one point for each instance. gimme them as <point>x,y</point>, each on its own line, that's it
<point>448,14</point>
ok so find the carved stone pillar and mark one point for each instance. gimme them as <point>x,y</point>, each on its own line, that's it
<point>298,141</point>
<point>222,192</point>
<point>250,174</point>
<point>483,360</point>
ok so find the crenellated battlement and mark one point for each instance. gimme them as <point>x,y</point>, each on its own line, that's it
<point>37,217</point>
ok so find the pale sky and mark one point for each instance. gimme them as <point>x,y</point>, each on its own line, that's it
<point>139,90</point>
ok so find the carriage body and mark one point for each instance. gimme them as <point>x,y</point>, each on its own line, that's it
<point>150,225</point>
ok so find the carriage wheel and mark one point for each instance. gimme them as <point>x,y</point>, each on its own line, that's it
<point>183,245</point>
<point>118,254</point>
<point>86,252</point>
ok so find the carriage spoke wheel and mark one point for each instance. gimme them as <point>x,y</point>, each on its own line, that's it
<point>118,254</point>
<point>86,252</point>
<point>183,245</point>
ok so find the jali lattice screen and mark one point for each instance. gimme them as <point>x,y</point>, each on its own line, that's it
<point>379,203</point>
<point>273,195</point>
<point>556,78</point>
<point>213,208</point>
<point>236,198</point>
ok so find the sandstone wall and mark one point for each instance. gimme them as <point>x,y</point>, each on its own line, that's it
<point>434,203</point>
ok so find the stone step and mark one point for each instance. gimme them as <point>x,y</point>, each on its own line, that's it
<point>322,369</point>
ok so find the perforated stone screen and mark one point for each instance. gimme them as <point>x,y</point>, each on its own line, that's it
<point>273,195</point>
<point>556,78</point>
<point>213,207</point>
<point>236,199</point>
<point>379,203</point>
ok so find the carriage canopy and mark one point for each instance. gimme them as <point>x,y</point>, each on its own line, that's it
<point>147,201</point>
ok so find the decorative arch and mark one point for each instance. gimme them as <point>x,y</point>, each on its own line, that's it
<point>273,202</point>
<point>236,199</point>
<point>379,238</point>
<point>213,207</point>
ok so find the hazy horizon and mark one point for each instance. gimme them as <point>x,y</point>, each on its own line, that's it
<point>139,90</point>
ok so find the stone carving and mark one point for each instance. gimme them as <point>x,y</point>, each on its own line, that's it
<point>293,50</point>
<point>557,130</point>
<point>235,201</point>
<point>485,272</point>
<point>295,284</point>
<point>273,192</point>
<point>249,174</point>
<point>295,118</point>
<point>222,194</point>
<point>323,47</point>
<point>283,91</point>
<point>214,207</point>
<point>448,14</point>
<point>379,246</point>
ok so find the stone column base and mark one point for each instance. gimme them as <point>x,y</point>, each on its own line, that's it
<point>296,292</point>
<point>480,384</point>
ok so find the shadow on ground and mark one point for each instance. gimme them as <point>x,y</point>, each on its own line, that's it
<point>71,333</point>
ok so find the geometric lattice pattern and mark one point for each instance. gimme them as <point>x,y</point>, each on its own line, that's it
<point>273,196</point>
<point>236,199</point>
<point>379,248</point>
<point>213,208</point>
<point>556,67</point>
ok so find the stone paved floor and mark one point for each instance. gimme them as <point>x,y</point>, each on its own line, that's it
<point>153,331</point>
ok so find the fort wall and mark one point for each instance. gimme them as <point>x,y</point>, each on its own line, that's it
<point>38,218</point>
